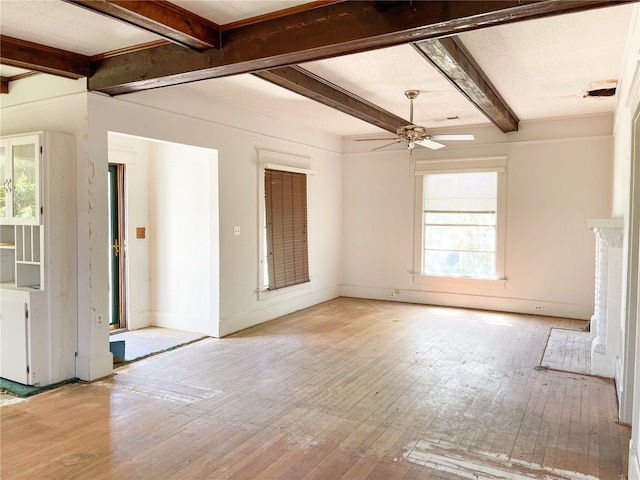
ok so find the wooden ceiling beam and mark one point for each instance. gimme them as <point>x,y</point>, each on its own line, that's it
<point>323,32</point>
<point>160,17</point>
<point>4,84</point>
<point>33,56</point>
<point>303,82</point>
<point>455,63</point>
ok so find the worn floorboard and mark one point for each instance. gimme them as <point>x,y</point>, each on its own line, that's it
<point>347,389</point>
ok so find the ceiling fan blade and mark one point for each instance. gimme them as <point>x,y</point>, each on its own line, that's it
<point>430,144</point>
<point>392,143</point>
<point>460,136</point>
<point>374,139</point>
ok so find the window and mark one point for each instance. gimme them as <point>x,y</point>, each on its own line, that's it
<point>286,228</point>
<point>460,218</point>
<point>284,192</point>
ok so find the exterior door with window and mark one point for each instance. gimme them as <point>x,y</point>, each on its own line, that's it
<point>117,318</point>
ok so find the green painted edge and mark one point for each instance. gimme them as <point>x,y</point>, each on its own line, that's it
<point>24,391</point>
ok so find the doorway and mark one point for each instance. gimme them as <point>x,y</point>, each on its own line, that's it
<point>117,242</point>
<point>169,228</point>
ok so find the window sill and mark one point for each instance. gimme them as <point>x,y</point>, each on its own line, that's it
<point>445,284</point>
<point>266,294</point>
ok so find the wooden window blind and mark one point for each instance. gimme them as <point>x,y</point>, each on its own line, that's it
<point>286,224</point>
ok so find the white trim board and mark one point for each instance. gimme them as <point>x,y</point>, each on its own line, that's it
<point>284,306</point>
<point>480,302</point>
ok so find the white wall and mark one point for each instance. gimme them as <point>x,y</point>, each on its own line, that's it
<point>182,226</point>
<point>626,193</point>
<point>183,116</point>
<point>558,176</point>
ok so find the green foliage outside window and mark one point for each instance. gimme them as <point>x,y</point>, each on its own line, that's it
<point>24,182</point>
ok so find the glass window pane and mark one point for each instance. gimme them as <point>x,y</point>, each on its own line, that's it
<point>460,215</point>
<point>464,264</point>
<point>462,238</point>
<point>24,181</point>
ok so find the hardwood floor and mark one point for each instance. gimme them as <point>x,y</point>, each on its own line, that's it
<point>347,389</point>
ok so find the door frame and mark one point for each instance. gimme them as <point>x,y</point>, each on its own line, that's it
<point>631,334</point>
<point>118,275</point>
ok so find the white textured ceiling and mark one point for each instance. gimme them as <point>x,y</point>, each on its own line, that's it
<point>59,24</point>
<point>544,66</point>
<point>223,12</point>
<point>540,67</point>
<point>8,71</point>
<point>382,77</point>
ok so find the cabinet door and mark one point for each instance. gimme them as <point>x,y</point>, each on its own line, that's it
<point>13,341</point>
<point>24,162</point>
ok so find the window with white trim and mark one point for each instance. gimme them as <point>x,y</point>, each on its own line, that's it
<point>460,218</point>
<point>287,255</point>
<point>283,191</point>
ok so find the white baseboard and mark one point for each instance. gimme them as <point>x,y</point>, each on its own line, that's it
<point>275,308</point>
<point>634,463</point>
<point>140,320</point>
<point>188,323</point>
<point>618,377</point>
<point>94,367</point>
<point>501,304</point>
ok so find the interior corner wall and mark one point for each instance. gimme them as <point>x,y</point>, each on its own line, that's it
<point>183,116</point>
<point>181,228</point>
<point>558,176</point>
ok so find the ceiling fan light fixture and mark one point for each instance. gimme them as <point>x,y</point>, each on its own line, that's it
<point>413,135</point>
<point>412,94</point>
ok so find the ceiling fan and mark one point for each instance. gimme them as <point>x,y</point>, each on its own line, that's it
<point>414,135</point>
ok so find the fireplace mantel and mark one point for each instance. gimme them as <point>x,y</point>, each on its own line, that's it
<point>605,322</point>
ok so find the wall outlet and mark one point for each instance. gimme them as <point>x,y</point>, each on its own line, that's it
<point>99,320</point>
<point>538,308</point>
<point>236,231</point>
<point>395,292</point>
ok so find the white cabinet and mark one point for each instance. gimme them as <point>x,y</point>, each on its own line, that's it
<point>38,260</point>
